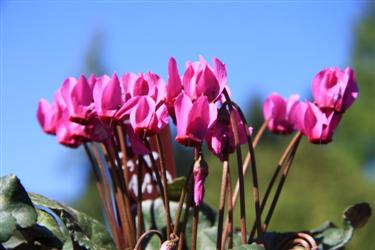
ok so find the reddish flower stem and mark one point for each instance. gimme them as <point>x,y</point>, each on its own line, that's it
<point>181,201</point>
<point>165,185</point>
<point>254,176</point>
<point>230,211</point>
<point>120,193</point>
<point>244,168</point>
<point>239,169</point>
<point>139,199</point>
<point>280,163</point>
<point>156,172</point>
<point>223,190</point>
<point>146,234</point>
<point>99,184</point>
<point>282,181</point>
<point>189,199</point>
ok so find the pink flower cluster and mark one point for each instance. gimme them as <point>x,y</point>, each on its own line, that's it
<point>85,110</point>
<point>333,90</point>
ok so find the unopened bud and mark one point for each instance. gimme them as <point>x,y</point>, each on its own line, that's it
<point>169,245</point>
<point>200,173</point>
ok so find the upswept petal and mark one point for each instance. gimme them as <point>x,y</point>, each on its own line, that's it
<point>174,86</point>
<point>182,108</point>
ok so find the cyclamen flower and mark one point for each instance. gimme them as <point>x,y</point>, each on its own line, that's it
<point>335,89</point>
<point>146,118</point>
<point>193,119</point>
<point>279,113</point>
<point>144,105</point>
<point>316,125</point>
<point>107,96</point>
<point>220,136</point>
<point>81,103</point>
<point>199,79</point>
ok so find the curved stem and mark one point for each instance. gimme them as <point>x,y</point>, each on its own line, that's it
<point>146,234</point>
<point>253,174</point>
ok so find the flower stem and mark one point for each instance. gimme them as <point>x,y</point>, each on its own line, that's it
<point>99,184</point>
<point>139,199</point>
<point>181,201</point>
<point>222,203</point>
<point>282,181</point>
<point>146,234</point>
<point>239,168</point>
<point>230,211</point>
<point>253,174</point>
<point>165,184</point>
<point>121,192</point>
<point>280,163</point>
<point>189,199</point>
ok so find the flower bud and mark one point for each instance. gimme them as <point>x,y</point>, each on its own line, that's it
<point>200,173</point>
<point>169,245</point>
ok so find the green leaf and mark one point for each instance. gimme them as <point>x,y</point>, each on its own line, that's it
<point>85,231</point>
<point>175,188</point>
<point>207,238</point>
<point>16,208</point>
<point>154,217</point>
<point>249,247</point>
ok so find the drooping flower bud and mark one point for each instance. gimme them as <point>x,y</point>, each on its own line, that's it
<point>169,245</point>
<point>200,173</point>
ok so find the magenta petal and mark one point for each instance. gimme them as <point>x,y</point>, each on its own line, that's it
<point>182,108</point>
<point>220,72</point>
<point>162,116</point>
<point>45,114</point>
<point>198,120</point>
<point>135,141</point>
<point>142,116</point>
<point>80,106</point>
<point>207,84</point>
<point>350,90</point>
<point>189,82</point>
<point>126,108</point>
<point>314,120</point>
<point>174,86</point>
<point>111,94</point>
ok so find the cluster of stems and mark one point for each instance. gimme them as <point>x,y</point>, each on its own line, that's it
<point>123,208</point>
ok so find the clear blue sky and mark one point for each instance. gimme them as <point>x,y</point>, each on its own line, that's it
<point>267,46</point>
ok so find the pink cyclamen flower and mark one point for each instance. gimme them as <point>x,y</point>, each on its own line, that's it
<point>146,117</point>
<point>81,104</point>
<point>201,79</point>
<point>107,96</point>
<point>318,126</point>
<point>193,119</point>
<point>335,89</point>
<point>279,113</point>
<point>200,173</point>
<point>220,135</point>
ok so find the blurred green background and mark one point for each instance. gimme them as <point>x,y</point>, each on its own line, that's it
<point>324,179</point>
